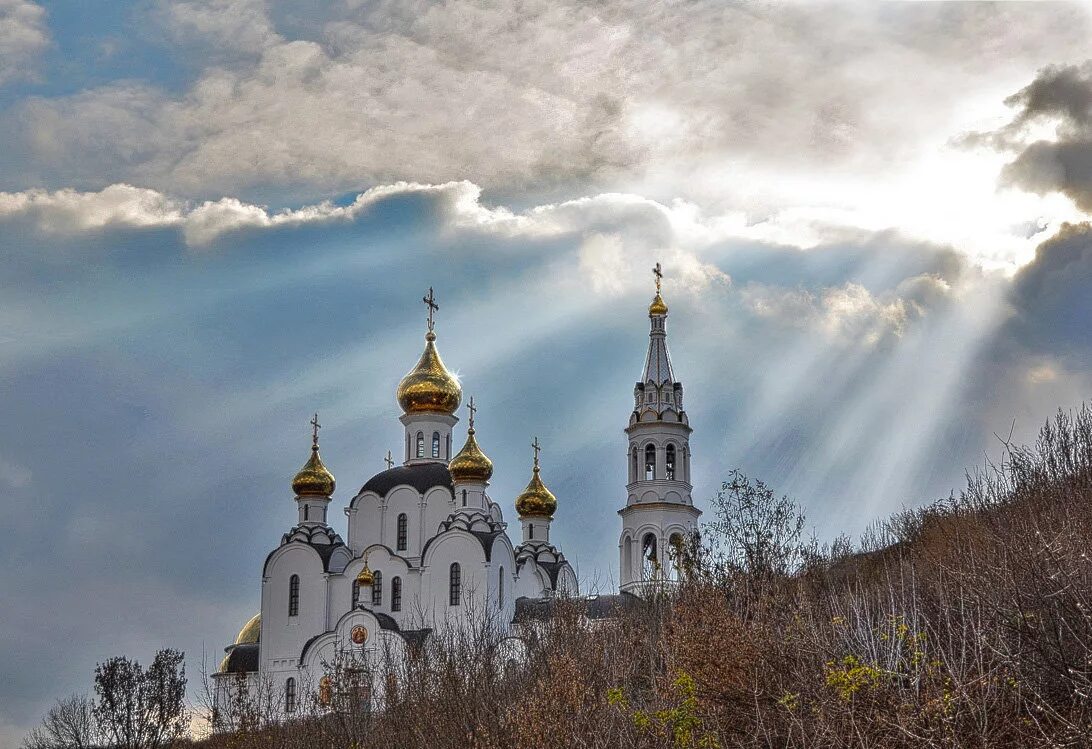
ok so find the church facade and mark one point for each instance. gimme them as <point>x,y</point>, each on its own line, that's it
<point>426,548</point>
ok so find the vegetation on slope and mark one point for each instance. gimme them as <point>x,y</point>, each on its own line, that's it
<point>963,624</point>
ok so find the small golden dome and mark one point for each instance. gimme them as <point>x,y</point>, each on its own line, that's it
<point>429,387</point>
<point>471,465</point>
<point>250,632</point>
<point>658,306</point>
<point>223,664</point>
<point>366,576</point>
<point>314,479</point>
<point>536,500</point>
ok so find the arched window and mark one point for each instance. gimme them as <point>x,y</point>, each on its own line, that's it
<point>464,497</point>
<point>500,589</point>
<point>633,467</point>
<point>420,444</point>
<point>290,695</point>
<point>670,463</point>
<point>677,553</point>
<point>305,512</point>
<point>530,530</point>
<point>396,594</point>
<point>649,559</point>
<point>650,462</point>
<point>435,444</point>
<point>377,589</point>
<point>294,595</point>
<point>627,558</point>
<point>403,531</point>
<point>356,593</point>
<point>455,585</point>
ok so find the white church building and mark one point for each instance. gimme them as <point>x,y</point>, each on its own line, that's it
<point>427,548</point>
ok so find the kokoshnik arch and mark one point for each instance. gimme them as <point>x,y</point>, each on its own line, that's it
<point>427,548</point>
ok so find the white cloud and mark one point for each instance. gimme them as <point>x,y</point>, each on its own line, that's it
<point>849,312</point>
<point>774,119</point>
<point>644,223</point>
<point>23,36</point>
<point>220,27</point>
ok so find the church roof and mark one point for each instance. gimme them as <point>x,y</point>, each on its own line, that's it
<point>242,659</point>
<point>313,537</point>
<point>658,368</point>
<point>421,476</point>
<point>594,607</point>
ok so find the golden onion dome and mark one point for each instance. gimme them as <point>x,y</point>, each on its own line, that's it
<point>536,500</point>
<point>251,631</point>
<point>658,306</point>
<point>366,577</point>
<point>429,387</point>
<point>314,479</point>
<point>470,465</point>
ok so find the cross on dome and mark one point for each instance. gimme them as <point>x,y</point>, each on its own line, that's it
<point>430,302</point>
<point>658,272</point>
<point>315,426</point>
<point>472,409</point>
<point>537,449</point>
<point>389,460</point>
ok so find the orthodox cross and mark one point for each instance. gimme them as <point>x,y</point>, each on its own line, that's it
<point>315,426</point>
<point>536,448</point>
<point>470,407</point>
<point>658,272</point>
<point>430,302</point>
<point>389,460</point>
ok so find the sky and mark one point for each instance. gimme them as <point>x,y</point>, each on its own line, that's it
<point>219,216</point>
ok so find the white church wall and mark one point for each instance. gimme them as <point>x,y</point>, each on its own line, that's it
<point>365,516</point>
<point>283,635</point>
<point>438,505</point>
<point>456,546</point>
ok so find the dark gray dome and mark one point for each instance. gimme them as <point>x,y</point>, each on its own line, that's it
<point>421,476</point>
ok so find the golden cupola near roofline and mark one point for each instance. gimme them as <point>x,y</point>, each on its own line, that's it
<point>471,465</point>
<point>314,479</point>
<point>536,500</point>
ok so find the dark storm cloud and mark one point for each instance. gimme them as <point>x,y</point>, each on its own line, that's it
<point>1052,295</point>
<point>1060,95</point>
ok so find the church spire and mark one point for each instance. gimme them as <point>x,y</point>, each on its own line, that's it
<point>658,389</point>
<point>659,514</point>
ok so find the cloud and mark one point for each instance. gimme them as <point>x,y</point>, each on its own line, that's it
<point>1051,296</point>
<point>23,36</point>
<point>849,312</point>
<point>542,96</point>
<point>607,221</point>
<point>224,29</point>
<point>1058,101</point>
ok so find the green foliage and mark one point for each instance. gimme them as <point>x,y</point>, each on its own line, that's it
<point>679,723</point>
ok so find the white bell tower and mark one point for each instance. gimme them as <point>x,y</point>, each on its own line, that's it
<point>659,515</point>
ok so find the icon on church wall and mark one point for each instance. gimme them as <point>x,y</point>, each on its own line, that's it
<point>359,634</point>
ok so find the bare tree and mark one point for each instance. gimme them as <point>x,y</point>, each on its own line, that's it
<point>69,724</point>
<point>141,708</point>
<point>754,532</point>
